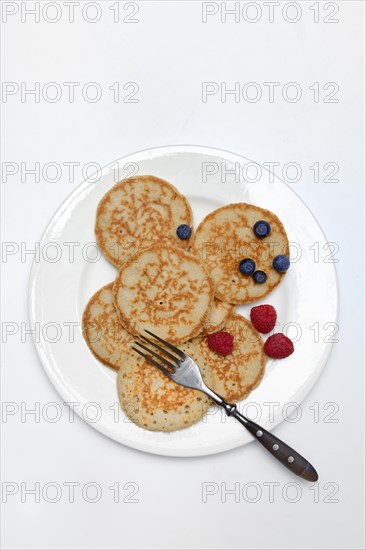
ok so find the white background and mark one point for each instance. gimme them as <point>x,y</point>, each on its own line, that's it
<point>169,53</point>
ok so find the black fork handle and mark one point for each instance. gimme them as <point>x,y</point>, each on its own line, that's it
<point>280,450</point>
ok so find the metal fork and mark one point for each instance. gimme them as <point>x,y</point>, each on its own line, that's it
<point>183,370</point>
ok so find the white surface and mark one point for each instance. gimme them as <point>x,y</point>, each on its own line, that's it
<point>297,301</point>
<point>169,53</point>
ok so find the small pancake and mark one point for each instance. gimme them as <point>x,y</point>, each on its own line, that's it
<point>137,213</point>
<point>237,374</point>
<point>102,329</point>
<point>226,236</point>
<point>218,316</point>
<point>153,401</point>
<point>166,290</point>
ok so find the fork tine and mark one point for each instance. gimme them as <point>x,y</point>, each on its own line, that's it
<point>173,357</point>
<point>174,367</point>
<point>153,362</point>
<point>178,351</point>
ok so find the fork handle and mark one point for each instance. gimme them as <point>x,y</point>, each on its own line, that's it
<point>280,450</point>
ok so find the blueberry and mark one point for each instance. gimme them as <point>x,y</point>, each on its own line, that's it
<point>259,277</point>
<point>247,266</point>
<point>184,231</point>
<point>261,229</point>
<point>281,263</point>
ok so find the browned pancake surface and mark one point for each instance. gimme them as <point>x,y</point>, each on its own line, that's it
<point>220,312</point>
<point>237,374</point>
<point>153,401</point>
<point>165,290</point>
<point>225,237</point>
<point>102,329</point>
<point>138,212</point>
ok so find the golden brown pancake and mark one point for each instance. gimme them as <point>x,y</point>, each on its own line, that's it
<point>102,329</point>
<point>220,312</point>
<point>153,401</point>
<point>137,213</point>
<point>237,374</point>
<point>165,290</point>
<point>225,237</point>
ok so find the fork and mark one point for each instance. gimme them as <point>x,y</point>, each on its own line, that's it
<point>183,370</point>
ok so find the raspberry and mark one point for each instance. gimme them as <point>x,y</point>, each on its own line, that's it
<point>278,346</point>
<point>221,342</point>
<point>263,318</point>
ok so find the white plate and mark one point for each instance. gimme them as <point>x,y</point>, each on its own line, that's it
<point>306,301</point>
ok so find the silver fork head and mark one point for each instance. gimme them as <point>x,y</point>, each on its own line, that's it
<point>181,368</point>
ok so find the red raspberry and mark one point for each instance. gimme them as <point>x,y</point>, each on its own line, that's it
<point>221,342</point>
<point>278,346</point>
<point>263,318</point>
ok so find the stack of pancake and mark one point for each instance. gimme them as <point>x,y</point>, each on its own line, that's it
<point>182,289</point>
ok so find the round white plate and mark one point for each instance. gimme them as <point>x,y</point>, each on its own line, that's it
<point>70,270</point>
